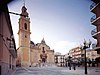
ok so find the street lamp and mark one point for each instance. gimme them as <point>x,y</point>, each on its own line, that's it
<point>84,47</point>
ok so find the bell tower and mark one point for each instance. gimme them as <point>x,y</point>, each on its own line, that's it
<point>24,38</point>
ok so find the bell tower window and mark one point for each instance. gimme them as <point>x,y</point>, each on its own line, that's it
<point>25,26</point>
<point>25,36</point>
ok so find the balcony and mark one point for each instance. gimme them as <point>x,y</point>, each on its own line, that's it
<point>92,6</point>
<point>94,45</point>
<point>12,49</point>
<point>96,1</point>
<point>94,32</point>
<point>13,52</point>
<point>93,19</point>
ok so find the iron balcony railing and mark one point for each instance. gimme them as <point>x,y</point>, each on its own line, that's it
<point>92,5</point>
<point>94,45</point>
<point>93,18</point>
<point>93,32</point>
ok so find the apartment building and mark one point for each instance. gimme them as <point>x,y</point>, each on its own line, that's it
<point>59,59</point>
<point>91,54</point>
<point>95,20</point>
<point>75,53</point>
<point>8,51</point>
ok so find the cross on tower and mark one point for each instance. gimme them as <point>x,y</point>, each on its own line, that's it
<point>24,2</point>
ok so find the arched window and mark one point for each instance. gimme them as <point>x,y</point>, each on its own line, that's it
<point>25,36</point>
<point>25,26</point>
<point>43,50</point>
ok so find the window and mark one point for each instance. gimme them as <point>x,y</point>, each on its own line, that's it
<point>43,50</point>
<point>10,61</point>
<point>25,36</point>
<point>25,26</point>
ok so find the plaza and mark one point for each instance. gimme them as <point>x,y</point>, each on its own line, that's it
<point>63,24</point>
<point>54,70</point>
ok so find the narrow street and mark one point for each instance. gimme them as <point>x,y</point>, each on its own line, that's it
<point>55,71</point>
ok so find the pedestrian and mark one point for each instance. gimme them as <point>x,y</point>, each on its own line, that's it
<point>78,64</point>
<point>69,66</point>
<point>74,65</point>
<point>39,63</point>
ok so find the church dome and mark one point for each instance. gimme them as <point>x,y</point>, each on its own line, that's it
<point>31,42</point>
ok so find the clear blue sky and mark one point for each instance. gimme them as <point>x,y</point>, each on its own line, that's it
<point>63,23</point>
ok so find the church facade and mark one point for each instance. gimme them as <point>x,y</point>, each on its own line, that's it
<point>41,53</point>
<point>29,53</point>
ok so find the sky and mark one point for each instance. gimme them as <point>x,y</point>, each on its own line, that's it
<point>64,24</point>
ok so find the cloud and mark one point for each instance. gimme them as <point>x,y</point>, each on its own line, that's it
<point>64,46</point>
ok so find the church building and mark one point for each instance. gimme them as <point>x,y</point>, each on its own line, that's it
<point>29,53</point>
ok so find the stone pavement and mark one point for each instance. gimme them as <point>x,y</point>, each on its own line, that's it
<point>55,71</point>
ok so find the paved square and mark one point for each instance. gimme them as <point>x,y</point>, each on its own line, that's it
<point>56,71</point>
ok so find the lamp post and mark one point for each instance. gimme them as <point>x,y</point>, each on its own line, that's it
<point>84,47</point>
<point>65,62</point>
